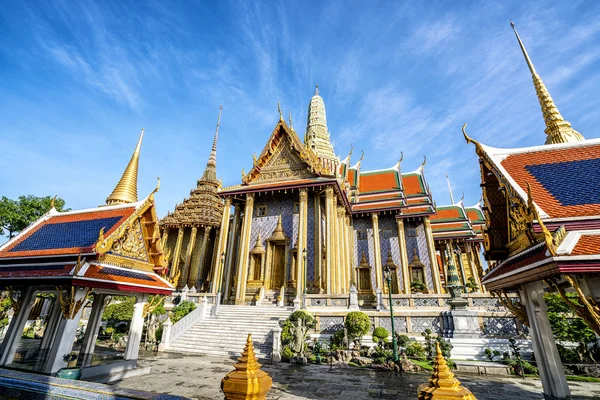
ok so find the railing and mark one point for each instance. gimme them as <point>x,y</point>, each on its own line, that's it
<point>172,331</point>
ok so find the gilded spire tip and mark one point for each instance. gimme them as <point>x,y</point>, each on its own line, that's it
<point>126,189</point>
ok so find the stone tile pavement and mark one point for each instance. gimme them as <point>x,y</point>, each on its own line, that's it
<point>200,377</point>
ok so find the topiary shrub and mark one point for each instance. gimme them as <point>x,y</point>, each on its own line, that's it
<point>402,340</point>
<point>416,350</point>
<point>380,335</point>
<point>287,353</point>
<point>182,309</point>
<point>308,319</point>
<point>357,324</point>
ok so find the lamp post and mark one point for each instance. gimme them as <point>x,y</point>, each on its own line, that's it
<point>388,277</point>
<point>304,273</point>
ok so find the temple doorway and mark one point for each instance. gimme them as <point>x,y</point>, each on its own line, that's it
<point>278,266</point>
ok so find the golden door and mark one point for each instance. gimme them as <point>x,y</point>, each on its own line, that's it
<point>278,267</point>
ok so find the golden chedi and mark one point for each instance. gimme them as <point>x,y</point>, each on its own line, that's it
<point>442,384</point>
<point>247,382</point>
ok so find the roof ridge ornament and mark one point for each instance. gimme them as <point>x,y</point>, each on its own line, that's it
<point>450,189</point>
<point>558,130</point>
<point>279,109</point>
<point>126,189</point>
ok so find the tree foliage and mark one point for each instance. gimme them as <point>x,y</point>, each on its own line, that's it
<point>566,328</point>
<point>182,309</point>
<point>16,215</point>
<point>357,324</point>
<point>121,310</point>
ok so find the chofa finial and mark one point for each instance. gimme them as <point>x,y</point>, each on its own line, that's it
<point>291,123</point>
<point>279,109</point>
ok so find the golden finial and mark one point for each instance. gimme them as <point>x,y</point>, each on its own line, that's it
<point>401,157</point>
<point>101,235</point>
<point>291,123</point>
<point>443,384</point>
<point>254,159</point>
<point>279,109</point>
<point>243,173</point>
<point>462,198</point>
<point>424,161</point>
<point>248,381</point>
<point>362,155</point>
<point>558,130</point>
<point>52,202</point>
<point>126,189</point>
<point>351,150</point>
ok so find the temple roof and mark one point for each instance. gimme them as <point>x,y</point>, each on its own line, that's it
<point>564,177</point>
<point>317,133</point>
<point>67,233</point>
<point>452,222</point>
<point>204,206</point>
<point>475,214</point>
<point>121,241</point>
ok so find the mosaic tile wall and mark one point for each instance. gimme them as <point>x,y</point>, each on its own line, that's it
<point>420,243</point>
<point>391,244</point>
<point>367,246</point>
<point>499,326</point>
<point>399,324</point>
<point>278,204</point>
<point>419,324</point>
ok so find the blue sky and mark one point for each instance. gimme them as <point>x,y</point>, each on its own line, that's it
<point>78,81</point>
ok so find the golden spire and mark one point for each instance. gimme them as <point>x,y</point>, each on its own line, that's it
<point>210,173</point>
<point>557,129</point>
<point>126,189</point>
<point>443,384</point>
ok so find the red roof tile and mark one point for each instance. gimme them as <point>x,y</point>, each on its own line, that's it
<point>413,185</point>
<point>522,166</point>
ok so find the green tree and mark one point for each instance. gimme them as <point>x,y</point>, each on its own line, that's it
<point>16,215</point>
<point>357,324</point>
<point>566,328</point>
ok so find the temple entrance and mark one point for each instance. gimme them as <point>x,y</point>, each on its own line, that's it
<point>278,266</point>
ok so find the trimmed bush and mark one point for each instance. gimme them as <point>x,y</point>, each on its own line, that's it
<point>380,334</point>
<point>416,350</point>
<point>357,324</point>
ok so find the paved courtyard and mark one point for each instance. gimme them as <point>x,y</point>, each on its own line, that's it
<point>200,378</point>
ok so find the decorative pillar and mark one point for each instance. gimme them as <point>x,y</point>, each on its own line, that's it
<point>472,266</point>
<point>135,329</point>
<point>242,267</point>
<point>403,256</point>
<point>318,245</point>
<point>164,238</point>
<point>17,324</point>
<point>341,248</point>
<point>91,331</point>
<point>186,275</point>
<point>377,246</point>
<point>231,255</point>
<point>216,277</point>
<point>350,253</point>
<point>197,270</point>
<point>50,331</point>
<point>302,240</point>
<point>552,374</point>
<point>435,273</point>
<point>67,329</point>
<point>328,238</point>
<point>175,260</point>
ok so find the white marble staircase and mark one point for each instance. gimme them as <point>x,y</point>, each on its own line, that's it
<point>226,334</point>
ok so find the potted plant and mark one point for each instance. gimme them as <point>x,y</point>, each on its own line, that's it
<point>71,371</point>
<point>418,287</point>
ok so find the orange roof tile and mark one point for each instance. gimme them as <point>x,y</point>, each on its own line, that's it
<point>587,245</point>
<point>559,199</point>
<point>413,185</point>
<point>383,181</point>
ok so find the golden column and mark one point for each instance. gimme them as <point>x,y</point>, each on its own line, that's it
<point>302,240</point>
<point>435,272</point>
<point>230,262</point>
<point>342,249</point>
<point>317,265</point>
<point>197,269</point>
<point>242,267</point>
<point>350,251</point>
<point>164,238</point>
<point>328,238</point>
<point>175,260</point>
<point>217,267</point>
<point>470,257</point>
<point>377,246</point>
<point>187,274</point>
<point>403,256</point>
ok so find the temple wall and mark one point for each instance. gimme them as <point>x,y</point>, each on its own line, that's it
<point>416,239</point>
<point>364,245</point>
<point>277,204</point>
<point>310,244</point>
<point>388,222</point>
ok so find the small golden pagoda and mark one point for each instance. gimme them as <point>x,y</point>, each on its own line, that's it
<point>248,381</point>
<point>442,384</point>
<point>189,231</point>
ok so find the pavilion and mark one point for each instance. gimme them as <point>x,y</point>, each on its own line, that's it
<point>542,206</point>
<point>78,256</point>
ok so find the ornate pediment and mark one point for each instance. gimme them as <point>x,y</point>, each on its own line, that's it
<point>284,158</point>
<point>136,242</point>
